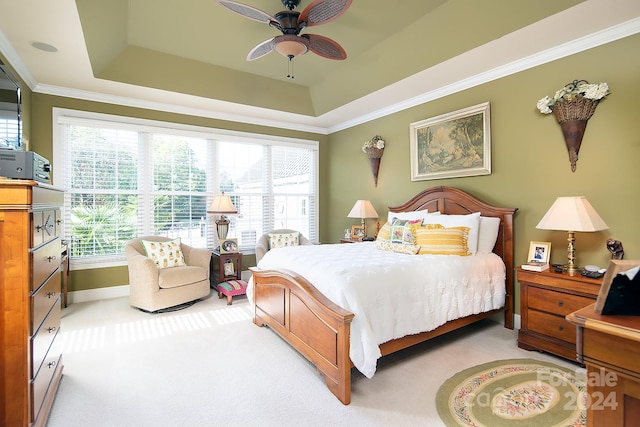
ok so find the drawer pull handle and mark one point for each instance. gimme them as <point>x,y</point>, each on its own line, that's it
<point>51,328</point>
<point>51,295</point>
<point>560,303</point>
<point>51,364</point>
<point>561,328</point>
<point>38,228</point>
<point>59,221</point>
<point>51,258</point>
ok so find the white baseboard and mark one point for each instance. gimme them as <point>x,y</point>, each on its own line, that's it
<point>114,292</point>
<point>516,321</point>
<point>98,294</point>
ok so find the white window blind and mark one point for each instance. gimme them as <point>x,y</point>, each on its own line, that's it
<point>126,178</point>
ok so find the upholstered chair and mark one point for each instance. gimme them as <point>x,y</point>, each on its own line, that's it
<point>262,246</point>
<point>153,288</point>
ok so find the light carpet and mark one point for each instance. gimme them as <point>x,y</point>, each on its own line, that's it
<point>514,393</point>
<point>209,365</point>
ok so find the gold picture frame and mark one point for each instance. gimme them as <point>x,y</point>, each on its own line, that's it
<point>357,232</point>
<point>452,145</point>
<point>229,246</point>
<point>539,252</point>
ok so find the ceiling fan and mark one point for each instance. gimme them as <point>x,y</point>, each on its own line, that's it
<point>291,43</point>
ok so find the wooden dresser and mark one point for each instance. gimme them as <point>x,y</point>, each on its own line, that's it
<point>545,299</point>
<point>610,347</point>
<point>31,361</point>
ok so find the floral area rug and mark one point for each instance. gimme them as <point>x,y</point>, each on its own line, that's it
<point>516,392</point>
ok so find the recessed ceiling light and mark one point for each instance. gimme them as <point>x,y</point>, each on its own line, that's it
<point>44,46</point>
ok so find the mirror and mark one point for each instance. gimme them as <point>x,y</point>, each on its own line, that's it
<point>10,119</point>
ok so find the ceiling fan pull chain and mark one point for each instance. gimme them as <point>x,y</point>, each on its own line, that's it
<point>290,66</point>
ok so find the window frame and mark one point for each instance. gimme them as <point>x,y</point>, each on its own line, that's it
<point>63,117</point>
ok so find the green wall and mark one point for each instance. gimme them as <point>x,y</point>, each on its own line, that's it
<point>530,162</point>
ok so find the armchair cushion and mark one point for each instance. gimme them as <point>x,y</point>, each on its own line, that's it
<point>180,276</point>
<point>165,254</point>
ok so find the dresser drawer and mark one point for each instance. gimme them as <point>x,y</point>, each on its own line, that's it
<point>43,338</point>
<point>551,325</point>
<point>43,300</point>
<point>42,381</point>
<point>46,260</point>
<point>555,302</point>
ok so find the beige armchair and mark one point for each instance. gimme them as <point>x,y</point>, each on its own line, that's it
<point>262,246</point>
<point>153,288</point>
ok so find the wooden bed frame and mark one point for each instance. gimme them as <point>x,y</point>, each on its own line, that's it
<point>319,329</point>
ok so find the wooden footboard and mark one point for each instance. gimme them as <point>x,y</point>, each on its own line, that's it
<point>307,320</point>
<point>320,330</point>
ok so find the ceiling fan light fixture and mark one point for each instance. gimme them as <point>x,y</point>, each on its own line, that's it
<point>291,46</point>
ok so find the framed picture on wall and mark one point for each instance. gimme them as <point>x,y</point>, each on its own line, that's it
<point>452,145</point>
<point>539,252</point>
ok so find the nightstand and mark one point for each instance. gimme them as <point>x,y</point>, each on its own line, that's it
<point>545,299</point>
<point>343,240</point>
<point>233,270</point>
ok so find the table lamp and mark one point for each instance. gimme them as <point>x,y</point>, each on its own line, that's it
<point>572,214</point>
<point>222,206</point>
<point>363,209</point>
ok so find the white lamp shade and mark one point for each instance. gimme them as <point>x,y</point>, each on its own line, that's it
<point>363,209</point>
<point>572,214</point>
<point>222,205</point>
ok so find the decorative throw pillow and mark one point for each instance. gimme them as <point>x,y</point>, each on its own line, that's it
<point>471,220</point>
<point>384,232</point>
<point>165,254</point>
<point>403,231</point>
<point>280,240</point>
<point>387,245</point>
<point>434,239</point>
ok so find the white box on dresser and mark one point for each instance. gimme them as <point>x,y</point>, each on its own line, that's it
<point>31,361</point>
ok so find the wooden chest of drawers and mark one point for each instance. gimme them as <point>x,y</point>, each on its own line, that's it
<point>545,299</point>
<point>31,361</point>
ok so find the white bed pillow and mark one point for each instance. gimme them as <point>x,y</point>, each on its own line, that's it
<point>411,215</point>
<point>471,220</point>
<point>488,234</point>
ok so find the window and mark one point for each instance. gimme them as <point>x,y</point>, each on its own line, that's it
<point>125,178</point>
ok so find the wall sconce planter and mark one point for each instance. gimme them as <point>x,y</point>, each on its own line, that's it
<point>374,149</point>
<point>573,106</point>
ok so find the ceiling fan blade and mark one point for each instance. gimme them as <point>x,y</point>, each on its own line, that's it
<point>325,47</point>
<point>261,50</point>
<point>322,11</point>
<point>247,11</point>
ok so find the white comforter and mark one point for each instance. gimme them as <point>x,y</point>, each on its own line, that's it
<point>393,295</point>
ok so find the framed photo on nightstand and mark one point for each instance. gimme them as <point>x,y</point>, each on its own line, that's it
<point>357,232</point>
<point>229,246</point>
<point>539,252</point>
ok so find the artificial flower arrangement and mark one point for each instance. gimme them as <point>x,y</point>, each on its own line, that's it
<point>374,148</point>
<point>375,142</point>
<point>572,92</point>
<point>573,106</point>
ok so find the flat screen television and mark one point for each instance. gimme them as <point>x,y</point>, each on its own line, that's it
<point>10,111</point>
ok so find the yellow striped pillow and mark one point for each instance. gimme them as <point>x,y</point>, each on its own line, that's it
<point>435,239</point>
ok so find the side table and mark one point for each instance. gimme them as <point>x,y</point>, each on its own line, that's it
<point>225,267</point>
<point>545,299</point>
